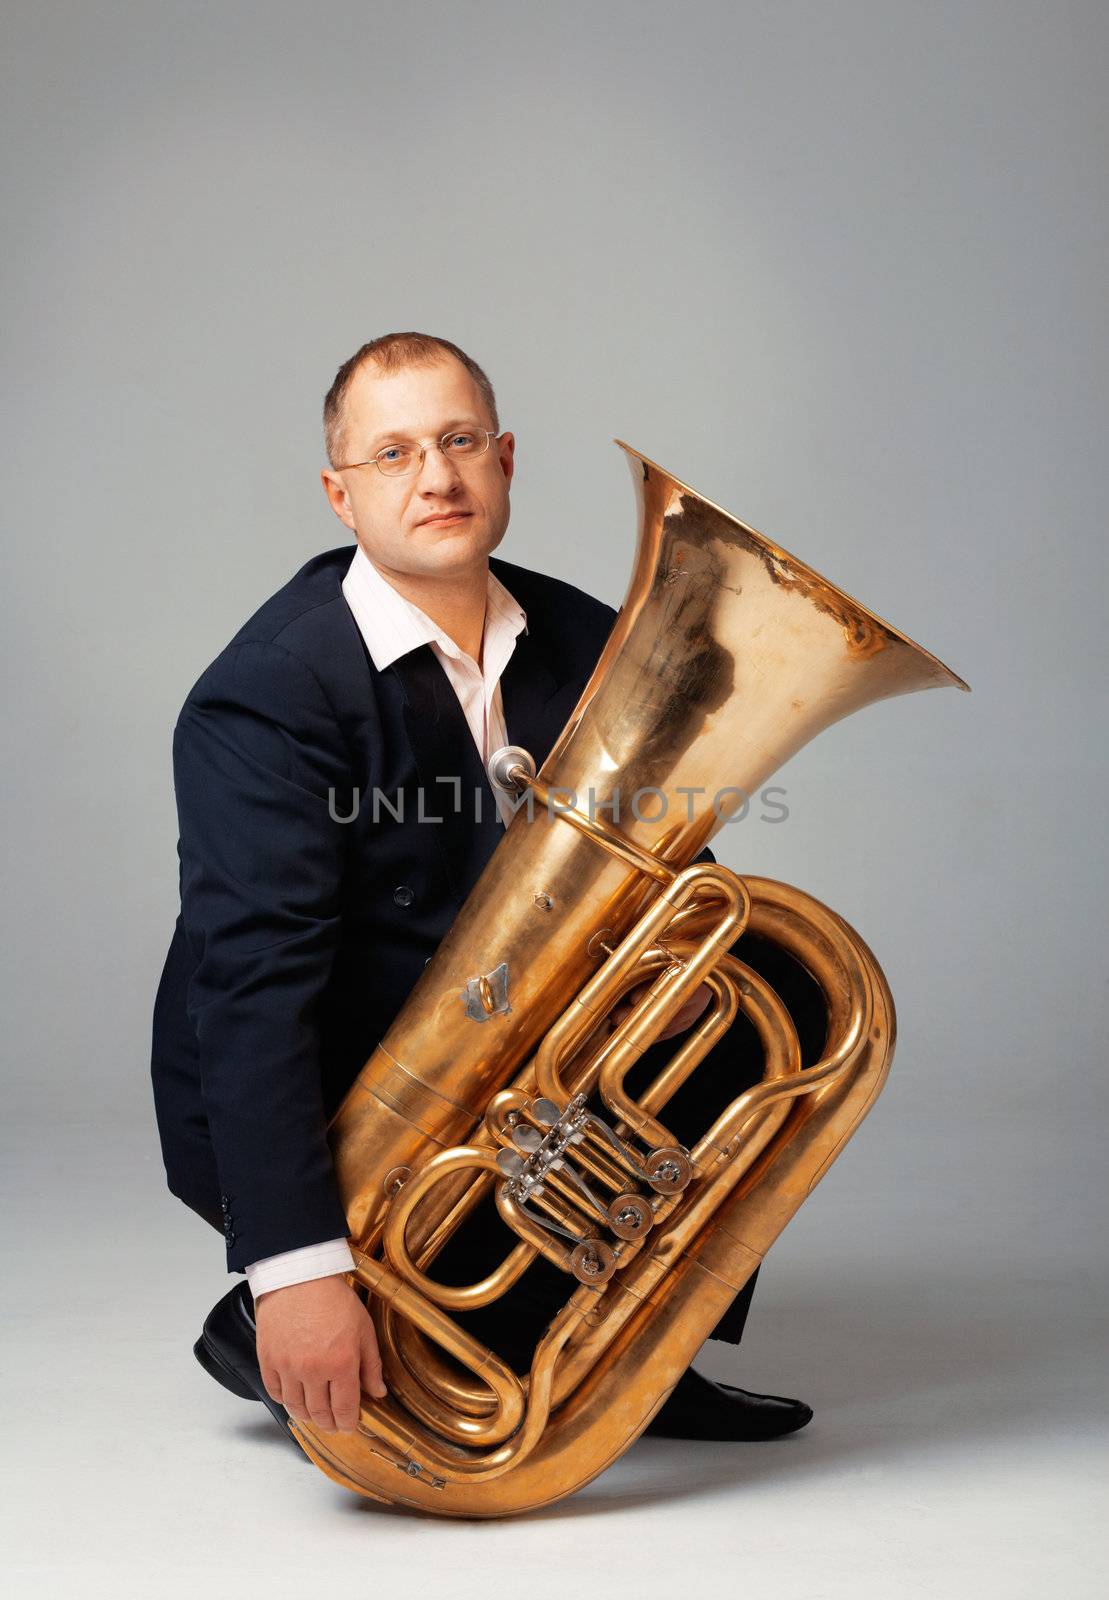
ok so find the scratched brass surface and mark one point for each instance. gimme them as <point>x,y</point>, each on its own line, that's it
<point>728,655</point>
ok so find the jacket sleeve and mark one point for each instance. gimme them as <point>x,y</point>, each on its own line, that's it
<point>256,750</point>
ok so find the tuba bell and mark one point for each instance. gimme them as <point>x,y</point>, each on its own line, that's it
<point>500,1079</point>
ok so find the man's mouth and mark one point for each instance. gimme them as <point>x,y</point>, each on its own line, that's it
<point>443,519</point>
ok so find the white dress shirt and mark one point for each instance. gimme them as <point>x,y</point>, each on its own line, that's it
<point>391,627</point>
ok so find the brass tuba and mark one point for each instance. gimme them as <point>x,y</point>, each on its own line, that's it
<point>500,1074</point>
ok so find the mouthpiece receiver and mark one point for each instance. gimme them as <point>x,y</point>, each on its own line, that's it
<point>510,768</point>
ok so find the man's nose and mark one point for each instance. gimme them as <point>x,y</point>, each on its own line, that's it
<point>438,473</point>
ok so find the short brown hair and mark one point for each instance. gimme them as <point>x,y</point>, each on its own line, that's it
<point>391,353</point>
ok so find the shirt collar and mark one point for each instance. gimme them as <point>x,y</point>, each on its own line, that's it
<point>392,626</point>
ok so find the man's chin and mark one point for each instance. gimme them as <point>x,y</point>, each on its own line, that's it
<point>450,552</point>
<point>455,548</point>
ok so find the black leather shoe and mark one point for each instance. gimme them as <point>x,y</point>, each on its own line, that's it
<point>698,1408</point>
<point>227,1350</point>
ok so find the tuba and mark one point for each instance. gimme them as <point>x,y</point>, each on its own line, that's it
<point>501,1080</point>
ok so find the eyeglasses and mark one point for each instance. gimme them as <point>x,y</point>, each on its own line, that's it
<point>397,460</point>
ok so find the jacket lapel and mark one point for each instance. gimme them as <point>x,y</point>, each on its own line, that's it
<point>534,710</point>
<point>452,778</point>
<point>536,703</point>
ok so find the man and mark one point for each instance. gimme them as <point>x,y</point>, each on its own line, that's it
<point>306,918</point>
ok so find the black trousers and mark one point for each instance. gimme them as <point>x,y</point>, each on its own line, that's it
<point>514,1324</point>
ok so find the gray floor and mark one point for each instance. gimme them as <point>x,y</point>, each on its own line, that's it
<point>957,1447</point>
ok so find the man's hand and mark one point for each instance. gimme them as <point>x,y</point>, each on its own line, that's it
<point>318,1350</point>
<point>684,1019</point>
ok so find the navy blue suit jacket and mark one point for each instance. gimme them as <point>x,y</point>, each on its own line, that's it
<point>300,936</point>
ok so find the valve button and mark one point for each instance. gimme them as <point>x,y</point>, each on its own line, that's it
<point>629,1216</point>
<point>592,1262</point>
<point>669,1170</point>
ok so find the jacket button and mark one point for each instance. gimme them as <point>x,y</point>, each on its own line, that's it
<point>403,895</point>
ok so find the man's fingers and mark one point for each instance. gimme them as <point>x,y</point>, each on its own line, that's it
<point>317,1397</point>
<point>272,1380</point>
<point>292,1398</point>
<point>345,1397</point>
<point>622,1009</point>
<point>332,1406</point>
<point>685,1018</point>
<point>369,1371</point>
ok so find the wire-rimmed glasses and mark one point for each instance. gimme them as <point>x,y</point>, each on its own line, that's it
<point>397,460</point>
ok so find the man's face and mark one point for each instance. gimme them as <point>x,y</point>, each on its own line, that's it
<point>445,517</point>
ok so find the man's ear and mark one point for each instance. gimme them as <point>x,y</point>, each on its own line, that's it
<point>338,498</point>
<point>506,454</point>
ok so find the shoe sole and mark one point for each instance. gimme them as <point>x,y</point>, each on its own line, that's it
<point>751,1437</point>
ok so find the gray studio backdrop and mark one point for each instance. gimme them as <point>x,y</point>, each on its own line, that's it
<point>839,266</point>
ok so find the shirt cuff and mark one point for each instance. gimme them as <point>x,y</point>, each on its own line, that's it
<point>299,1266</point>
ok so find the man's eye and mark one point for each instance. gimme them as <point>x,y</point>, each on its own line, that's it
<point>392,452</point>
<point>461,441</point>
